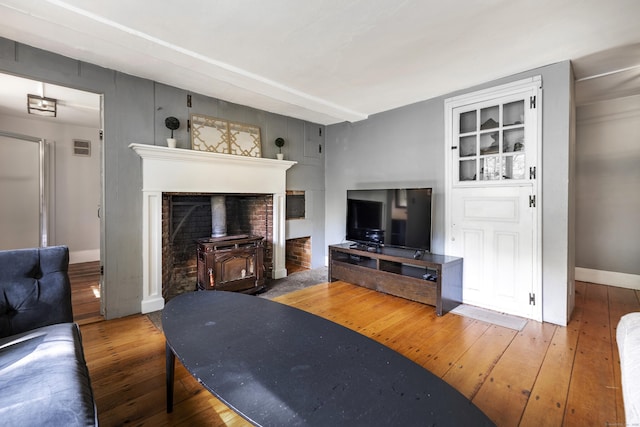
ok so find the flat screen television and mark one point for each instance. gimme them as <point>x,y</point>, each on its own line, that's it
<point>397,217</point>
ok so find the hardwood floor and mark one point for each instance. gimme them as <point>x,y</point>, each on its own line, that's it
<point>544,375</point>
<point>85,292</point>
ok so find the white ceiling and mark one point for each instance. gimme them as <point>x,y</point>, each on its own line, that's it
<point>74,106</point>
<point>329,61</point>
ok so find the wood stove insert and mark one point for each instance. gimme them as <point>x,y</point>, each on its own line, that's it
<point>231,263</point>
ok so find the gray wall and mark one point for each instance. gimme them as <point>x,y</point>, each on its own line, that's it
<point>402,147</point>
<point>399,148</point>
<point>135,109</point>
<point>405,147</point>
<point>608,186</point>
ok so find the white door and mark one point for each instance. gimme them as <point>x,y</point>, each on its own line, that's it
<point>20,193</point>
<point>492,201</point>
<point>492,229</point>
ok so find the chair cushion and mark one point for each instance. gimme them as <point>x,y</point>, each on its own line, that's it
<point>34,289</point>
<point>44,379</point>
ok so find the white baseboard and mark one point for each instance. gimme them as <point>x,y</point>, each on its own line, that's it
<point>76,257</point>
<point>611,278</point>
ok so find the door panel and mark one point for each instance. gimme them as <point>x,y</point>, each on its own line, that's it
<point>472,243</point>
<point>506,267</point>
<point>491,209</point>
<point>492,229</point>
<point>20,194</point>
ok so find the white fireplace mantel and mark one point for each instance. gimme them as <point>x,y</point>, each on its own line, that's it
<point>175,170</point>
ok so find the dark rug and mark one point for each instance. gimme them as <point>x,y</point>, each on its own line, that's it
<point>275,288</point>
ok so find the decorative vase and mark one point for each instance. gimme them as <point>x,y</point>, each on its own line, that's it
<point>280,156</point>
<point>171,142</point>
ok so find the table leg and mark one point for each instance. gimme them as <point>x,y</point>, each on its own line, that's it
<point>170,370</point>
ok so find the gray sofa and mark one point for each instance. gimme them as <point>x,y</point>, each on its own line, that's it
<point>44,379</point>
<point>628,337</point>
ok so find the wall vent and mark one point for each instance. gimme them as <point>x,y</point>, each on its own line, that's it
<point>81,147</point>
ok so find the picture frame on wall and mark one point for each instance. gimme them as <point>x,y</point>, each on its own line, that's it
<point>216,135</point>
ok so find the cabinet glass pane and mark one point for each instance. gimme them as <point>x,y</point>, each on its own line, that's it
<point>489,117</point>
<point>513,113</point>
<point>489,143</point>
<point>468,122</point>
<point>468,146</point>
<point>513,167</point>
<point>467,170</point>
<point>490,168</point>
<point>513,140</point>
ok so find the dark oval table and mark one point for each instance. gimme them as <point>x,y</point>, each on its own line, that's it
<point>276,365</point>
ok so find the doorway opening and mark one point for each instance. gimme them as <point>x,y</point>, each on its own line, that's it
<point>57,181</point>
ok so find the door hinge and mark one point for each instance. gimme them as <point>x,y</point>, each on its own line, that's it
<point>102,270</point>
<point>532,299</point>
<point>532,172</point>
<point>532,201</point>
<point>101,134</point>
<point>532,102</point>
<point>188,101</point>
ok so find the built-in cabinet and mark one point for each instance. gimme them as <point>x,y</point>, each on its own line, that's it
<point>491,197</point>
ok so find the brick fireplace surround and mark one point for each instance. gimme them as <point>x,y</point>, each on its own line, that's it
<point>188,217</point>
<point>298,253</point>
<point>174,170</point>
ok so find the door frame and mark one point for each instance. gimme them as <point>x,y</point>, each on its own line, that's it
<point>101,212</point>
<point>44,178</point>
<point>533,84</point>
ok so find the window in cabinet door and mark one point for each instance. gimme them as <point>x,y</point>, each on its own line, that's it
<point>491,142</point>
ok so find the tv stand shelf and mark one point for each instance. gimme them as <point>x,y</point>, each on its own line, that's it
<point>423,277</point>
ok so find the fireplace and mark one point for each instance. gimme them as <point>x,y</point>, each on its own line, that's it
<point>180,171</point>
<point>189,219</point>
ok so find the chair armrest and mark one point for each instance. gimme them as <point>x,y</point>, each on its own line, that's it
<point>628,338</point>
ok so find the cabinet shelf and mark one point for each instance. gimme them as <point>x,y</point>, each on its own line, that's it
<point>430,279</point>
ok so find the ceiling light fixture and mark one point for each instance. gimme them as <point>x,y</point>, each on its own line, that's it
<point>41,106</point>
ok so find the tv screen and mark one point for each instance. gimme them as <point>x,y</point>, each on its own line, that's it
<point>399,217</point>
<point>364,221</point>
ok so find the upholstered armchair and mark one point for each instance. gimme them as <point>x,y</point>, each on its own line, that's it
<point>44,379</point>
<point>34,289</point>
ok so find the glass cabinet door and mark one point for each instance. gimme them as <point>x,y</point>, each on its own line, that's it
<point>491,142</point>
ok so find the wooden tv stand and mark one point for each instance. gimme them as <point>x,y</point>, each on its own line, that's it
<point>428,278</point>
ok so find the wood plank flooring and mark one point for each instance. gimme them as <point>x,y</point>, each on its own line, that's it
<point>544,375</point>
<point>85,292</point>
